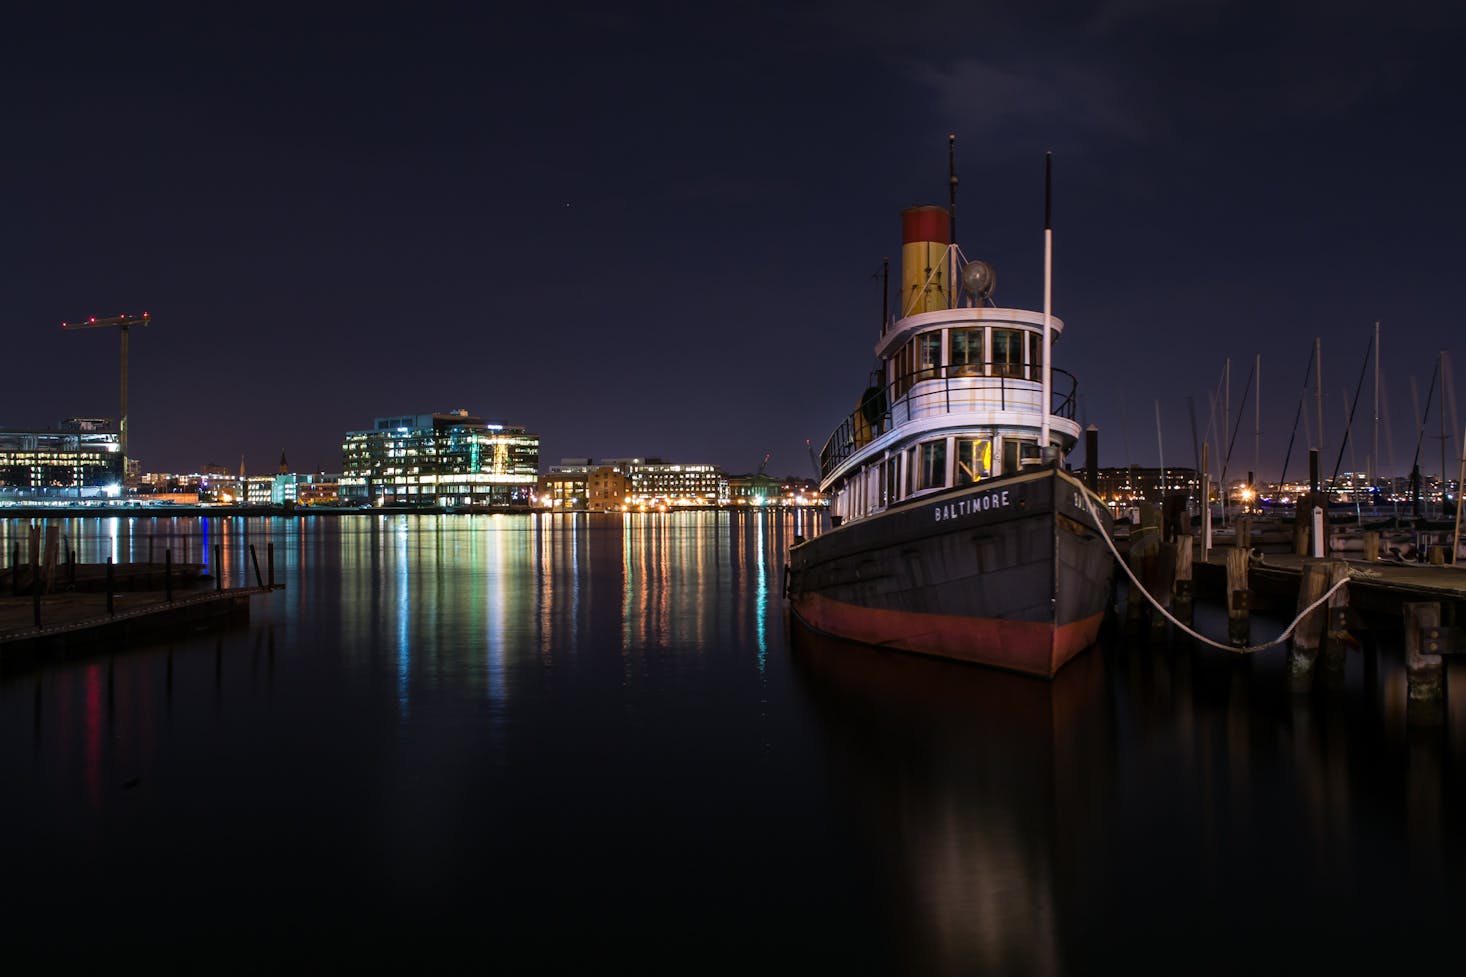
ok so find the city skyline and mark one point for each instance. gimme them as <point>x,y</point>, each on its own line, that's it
<point>662,231</point>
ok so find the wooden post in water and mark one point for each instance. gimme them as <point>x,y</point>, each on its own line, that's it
<point>1243,539</point>
<point>110,587</point>
<point>35,539</point>
<point>1239,626</point>
<point>270,563</point>
<point>1422,663</point>
<point>218,570</point>
<point>1371,546</point>
<point>1181,590</point>
<point>1309,633</point>
<point>255,559</point>
<point>1145,545</point>
<point>1165,586</point>
<point>1338,640</point>
<point>51,555</point>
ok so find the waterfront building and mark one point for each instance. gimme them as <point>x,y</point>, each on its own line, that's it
<point>1124,487</point>
<point>445,459</point>
<point>654,482</point>
<point>80,459</point>
<point>606,489</point>
<point>564,485</point>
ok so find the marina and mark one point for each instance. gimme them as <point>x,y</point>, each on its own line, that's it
<point>437,721</point>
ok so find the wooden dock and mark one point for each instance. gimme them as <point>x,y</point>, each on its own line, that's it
<point>75,621</point>
<point>1376,587</point>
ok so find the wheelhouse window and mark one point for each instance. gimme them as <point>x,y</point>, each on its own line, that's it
<point>966,358</point>
<point>1008,352</point>
<point>928,354</point>
<point>974,460</point>
<point>1035,356</point>
<point>901,370</point>
<point>931,464</point>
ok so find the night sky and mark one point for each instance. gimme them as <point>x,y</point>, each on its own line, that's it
<point>657,230</point>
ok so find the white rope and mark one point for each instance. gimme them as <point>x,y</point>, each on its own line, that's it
<point>1137,585</point>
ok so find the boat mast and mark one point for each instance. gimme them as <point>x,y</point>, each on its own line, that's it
<point>951,220</point>
<point>1048,380</point>
<point>1256,425</point>
<point>1318,387</point>
<point>1374,465</point>
<point>1160,448</point>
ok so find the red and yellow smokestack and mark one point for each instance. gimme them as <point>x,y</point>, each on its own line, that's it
<point>925,234</point>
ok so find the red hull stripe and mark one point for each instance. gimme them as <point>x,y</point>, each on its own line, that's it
<point>1032,647</point>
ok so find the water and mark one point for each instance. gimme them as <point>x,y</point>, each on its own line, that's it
<point>592,744</point>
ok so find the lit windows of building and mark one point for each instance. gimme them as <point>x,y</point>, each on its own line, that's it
<point>449,459</point>
<point>80,459</point>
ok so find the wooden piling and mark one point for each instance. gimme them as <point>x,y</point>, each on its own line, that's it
<point>1165,585</point>
<point>1145,544</point>
<point>1309,633</point>
<point>51,555</point>
<point>1422,665</point>
<point>1371,546</point>
<point>1239,627</point>
<point>1338,640</point>
<point>1243,539</point>
<point>1181,591</point>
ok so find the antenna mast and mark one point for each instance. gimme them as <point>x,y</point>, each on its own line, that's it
<point>1048,379</point>
<point>952,220</point>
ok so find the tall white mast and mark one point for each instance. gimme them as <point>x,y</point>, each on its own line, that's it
<point>1160,447</point>
<point>1374,466</point>
<point>1256,418</point>
<point>1048,379</point>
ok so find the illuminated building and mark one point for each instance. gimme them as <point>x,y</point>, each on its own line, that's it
<point>606,489</point>
<point>446,459</point>
<point>653,481</point>
<point>80,459</point>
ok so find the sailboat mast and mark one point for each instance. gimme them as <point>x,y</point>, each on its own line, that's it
<point>1160,448</point>
<point>1444,476</point>
<point>1257,417</point>
<point>1374,466</point>
<point>1048,379</point>
<point>1318,386</point>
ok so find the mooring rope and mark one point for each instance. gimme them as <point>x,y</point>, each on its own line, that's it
<point>1137,585</point>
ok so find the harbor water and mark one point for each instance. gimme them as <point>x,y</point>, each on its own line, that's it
<point>595,744</point>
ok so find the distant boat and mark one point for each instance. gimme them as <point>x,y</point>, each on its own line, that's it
<point>956,530</point>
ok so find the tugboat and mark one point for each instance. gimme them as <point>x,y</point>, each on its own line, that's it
<point>956,530</point>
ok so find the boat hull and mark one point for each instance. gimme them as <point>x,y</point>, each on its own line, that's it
<point>1012,573</point>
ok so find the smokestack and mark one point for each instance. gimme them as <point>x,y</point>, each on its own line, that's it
<point>925,232</point>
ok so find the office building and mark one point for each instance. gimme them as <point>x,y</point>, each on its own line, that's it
<point>80,460</point>
<point>450,459</point>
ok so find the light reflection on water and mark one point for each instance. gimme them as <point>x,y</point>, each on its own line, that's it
<point>452,730</point>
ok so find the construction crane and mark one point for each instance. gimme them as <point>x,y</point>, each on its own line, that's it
<point>122,323</point>
<point>763,465</point>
